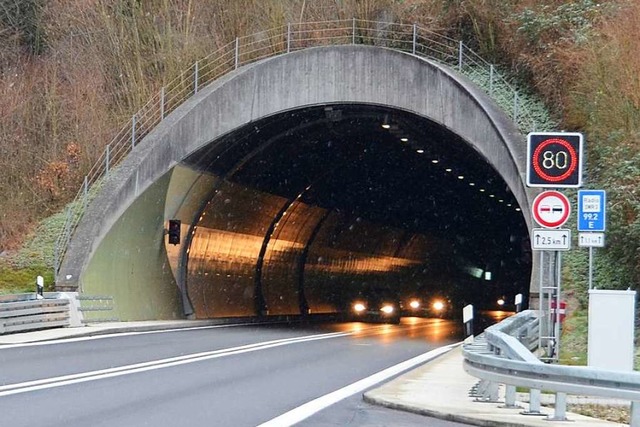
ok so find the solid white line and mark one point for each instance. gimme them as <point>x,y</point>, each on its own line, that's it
<point>308,409</point>
<point>30,386</point>
<point>114,335</point>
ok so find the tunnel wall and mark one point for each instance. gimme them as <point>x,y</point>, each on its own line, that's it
<point>337,74</point>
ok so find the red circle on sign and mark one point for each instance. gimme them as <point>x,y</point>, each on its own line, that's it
<point>573,157</point>
<point>551,209</point>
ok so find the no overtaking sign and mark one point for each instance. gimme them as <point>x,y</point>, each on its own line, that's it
<point>551,209</point>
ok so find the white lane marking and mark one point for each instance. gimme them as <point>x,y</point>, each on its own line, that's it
<point>46,383</point>
<point>116,335</point>
<point>308,409</point>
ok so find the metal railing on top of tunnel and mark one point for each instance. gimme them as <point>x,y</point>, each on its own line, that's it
<point>292,37</point>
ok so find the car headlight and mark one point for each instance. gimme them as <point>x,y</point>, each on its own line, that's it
<point>438,305</point>
<point>359,307</point>
<point>414,304</point>
<point>387,309</point>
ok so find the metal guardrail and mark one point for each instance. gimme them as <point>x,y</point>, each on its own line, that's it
<point>499,357</point>
<point>291,37</point>
<point>23,312</point>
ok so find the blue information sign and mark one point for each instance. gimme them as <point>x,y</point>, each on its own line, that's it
<point>592,210</point>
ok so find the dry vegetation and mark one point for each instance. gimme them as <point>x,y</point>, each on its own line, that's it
<point>72,73</point>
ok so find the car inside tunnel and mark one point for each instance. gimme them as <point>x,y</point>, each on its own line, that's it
<point>307,210</point>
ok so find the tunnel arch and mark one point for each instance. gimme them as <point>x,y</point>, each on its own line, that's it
<point>326,76</point>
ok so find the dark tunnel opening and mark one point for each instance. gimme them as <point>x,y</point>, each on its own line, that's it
<point>313,207</point>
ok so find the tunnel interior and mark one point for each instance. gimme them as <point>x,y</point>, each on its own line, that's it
<point>306,209</point>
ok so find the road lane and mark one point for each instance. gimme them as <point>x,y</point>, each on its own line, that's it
<point>241,388</point>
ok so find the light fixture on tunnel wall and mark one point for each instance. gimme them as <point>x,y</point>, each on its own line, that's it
<point>420,151</point>
<point>385,123</point>
<point>404,139</point>
<point>174,231</point>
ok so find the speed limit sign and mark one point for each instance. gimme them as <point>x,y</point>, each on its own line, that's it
<point>554,159</point>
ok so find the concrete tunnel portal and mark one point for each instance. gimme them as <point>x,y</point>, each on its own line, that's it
<point>299,209</point>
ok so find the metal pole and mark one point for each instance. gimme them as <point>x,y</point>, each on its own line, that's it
<point>460,47</point>
<point>558,299</point>
<point>85,192</point>
<point>353,31</point>
<point>288,37</point>
<point>106,159</point>
<point>590,267</point>
<point>544,330</point>
<point>237,51</point>
<point>515,106</point>
<point>415,36</point>
<point>162,103</point>
<point>133,131</point>
<point>195,78</point>
<point>491,68</point>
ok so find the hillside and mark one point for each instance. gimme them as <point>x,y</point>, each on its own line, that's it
<point>71,73</point>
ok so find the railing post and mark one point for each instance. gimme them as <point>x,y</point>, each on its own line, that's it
<point>515,106</point>
<point>162,103</point>
<point>237,52</point>
<point>460,47</point>
<point>288,37</point>
<point>85,192</point>
<point>353,31</point>
<point>133,131</point>
<point>415,36</point>
<point>107,153</point>
<point>195,78</point>
<point>491,70</point>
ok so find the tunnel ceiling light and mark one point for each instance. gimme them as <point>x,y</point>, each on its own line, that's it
<point>449,170</point>
<point>404,139</point>
<point>482,190</point>
<point>472,184</point>
<point>517,209</point>
<point>386,126</point>
<point>492,195</point>
<point>435,161</point>
<point>509,204</point>
<point>420,151</point>
<point>500,200</point>
<point>460,176</point>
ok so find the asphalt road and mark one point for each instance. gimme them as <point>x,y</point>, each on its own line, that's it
<point>233,375</point>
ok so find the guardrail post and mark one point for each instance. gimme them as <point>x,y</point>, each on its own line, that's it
<point>237,53</point>
<point>415,36</point>
<point>288,37</point>
<point>534,403</point>
<point>635,414</point>
<point>162,103</point>
<point>515,106</point>
<point>560,411</point>
<point>195,78</point>
<point>460,47</point>
<point>510,396</point>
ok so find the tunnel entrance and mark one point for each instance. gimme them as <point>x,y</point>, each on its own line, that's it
<point>306,209</point>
